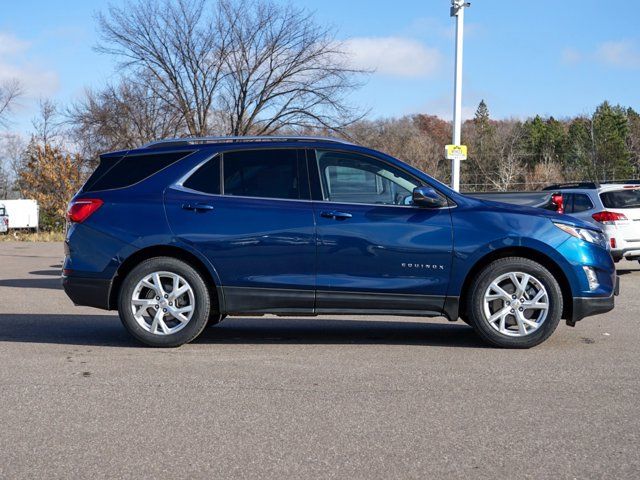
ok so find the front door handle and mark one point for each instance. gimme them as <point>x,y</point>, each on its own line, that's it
<point>197,207</point>
<point>336,215</point>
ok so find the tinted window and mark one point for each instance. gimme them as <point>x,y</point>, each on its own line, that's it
<point>2,212</point>
<point>581,203</point>
<point>207,178</point>
<point>567,202</point>
<point>106,163</point>
<point>352,178</point>
<point>133,169</point>
<point>629,198</point>
<point>266,174</point>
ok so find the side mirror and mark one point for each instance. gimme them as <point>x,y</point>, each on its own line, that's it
<point>427,197</point>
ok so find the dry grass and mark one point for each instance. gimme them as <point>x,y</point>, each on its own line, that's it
<point>32,237</point>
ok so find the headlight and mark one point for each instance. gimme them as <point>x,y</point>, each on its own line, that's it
<point>585,234</point>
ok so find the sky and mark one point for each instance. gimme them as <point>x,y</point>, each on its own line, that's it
<point>547,57</point>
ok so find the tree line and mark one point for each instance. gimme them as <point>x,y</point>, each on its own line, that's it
<point>257,67</point>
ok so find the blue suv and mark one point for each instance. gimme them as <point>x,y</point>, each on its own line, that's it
<point>180,233</point>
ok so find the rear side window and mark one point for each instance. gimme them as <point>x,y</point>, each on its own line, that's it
<point>266,174</point>
<point>207,178</point>
<point>130,170</point>
<point>629,198</point>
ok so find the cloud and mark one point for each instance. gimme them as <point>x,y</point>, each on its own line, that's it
<point>571,56</point>
<point>17,63</point>
<point>618,54</point>
<point>11,45</point>
<point>442,106</point>
<point>393,56</point>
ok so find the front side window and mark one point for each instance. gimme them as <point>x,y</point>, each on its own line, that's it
<point>352,178</point>
<point>567,200</point>
<point>581,203</point>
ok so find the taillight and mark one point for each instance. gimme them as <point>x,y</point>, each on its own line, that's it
<point>613,243</point>
<point>80,210</point>
<point>608,217</point>
<point>556,199</point>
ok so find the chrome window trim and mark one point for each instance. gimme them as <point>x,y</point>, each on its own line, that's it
<point>179,185</point>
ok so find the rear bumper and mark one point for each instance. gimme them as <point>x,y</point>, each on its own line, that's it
<point>88,292</point>
<point>588,306</point>
<point>629,253</point>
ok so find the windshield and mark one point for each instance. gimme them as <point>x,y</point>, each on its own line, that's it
<point>629,198</point>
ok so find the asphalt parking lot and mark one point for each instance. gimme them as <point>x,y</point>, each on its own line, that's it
<point>365,397</point>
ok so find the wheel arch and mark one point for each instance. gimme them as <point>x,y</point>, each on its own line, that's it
<point>524,252</point>
<point>207,272</point>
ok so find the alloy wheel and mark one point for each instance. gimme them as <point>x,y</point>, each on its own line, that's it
<point>163,303</point>
<point>516,304</point>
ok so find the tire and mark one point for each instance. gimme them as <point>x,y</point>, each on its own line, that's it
<point>515,324</point>
<point>139,291</point>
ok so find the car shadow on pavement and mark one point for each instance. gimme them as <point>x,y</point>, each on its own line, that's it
<point>48,273</point>
<point>311,330</point>
<point>50,283</point>
<point>626,272</point>
<point>106,330</point>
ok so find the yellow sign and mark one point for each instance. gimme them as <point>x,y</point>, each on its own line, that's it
<point>456,152</point>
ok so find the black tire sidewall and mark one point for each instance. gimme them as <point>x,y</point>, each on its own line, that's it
<point>490,273</point>
<point>201,295</point>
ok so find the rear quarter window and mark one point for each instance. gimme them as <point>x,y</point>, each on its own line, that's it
<point>121,172</point>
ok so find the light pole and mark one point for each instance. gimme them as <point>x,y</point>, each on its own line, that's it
<point>457,10</point>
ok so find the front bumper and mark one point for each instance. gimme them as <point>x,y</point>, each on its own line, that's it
<point>88,292</point>
<point>589,306</point>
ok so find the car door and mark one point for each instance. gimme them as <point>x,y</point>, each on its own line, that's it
<point>376,252</point>
<point>249,213</point>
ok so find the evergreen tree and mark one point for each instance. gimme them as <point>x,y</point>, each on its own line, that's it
<point>610,131</point>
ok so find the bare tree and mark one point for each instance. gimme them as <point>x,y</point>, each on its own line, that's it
<point>283,70</point>
<point>10,90</point>
<point>402,138</point>
<point>245,66</point>
<point>177,45</point>
<point>11,149</point>
<point>122,116</point>
<point>47,125</point>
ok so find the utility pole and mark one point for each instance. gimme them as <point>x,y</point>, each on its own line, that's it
<point>457,10</point>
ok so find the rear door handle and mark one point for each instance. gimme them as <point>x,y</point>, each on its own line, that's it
<point>197,207</point>
<point>336,215</point>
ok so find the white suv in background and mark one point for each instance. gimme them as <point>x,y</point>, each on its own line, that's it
<point>614,207</point>
<point>4,220</point>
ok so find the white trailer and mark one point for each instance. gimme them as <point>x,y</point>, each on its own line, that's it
<point>22,214</point>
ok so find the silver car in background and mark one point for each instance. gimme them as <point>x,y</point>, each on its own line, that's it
<point>614,207</point>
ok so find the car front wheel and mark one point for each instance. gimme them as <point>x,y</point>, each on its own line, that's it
<point>515,303</point>
<point>164,302</point>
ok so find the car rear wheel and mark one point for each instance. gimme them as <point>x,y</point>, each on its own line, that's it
<point>515,303</point>
<point>164,302</point>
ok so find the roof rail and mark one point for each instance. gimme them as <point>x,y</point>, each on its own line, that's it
<point>622,182</point>
<point>571,185</point>
<point>277,138</point>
